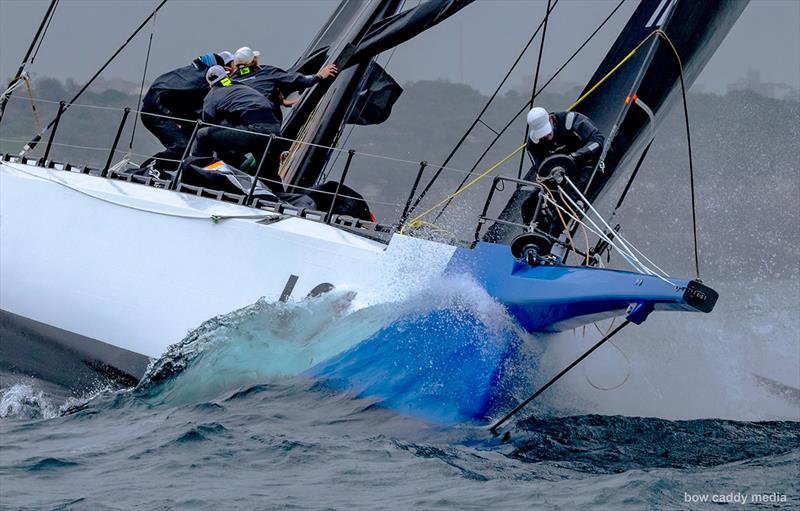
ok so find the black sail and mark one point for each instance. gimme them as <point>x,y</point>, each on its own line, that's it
<point>631,101</point>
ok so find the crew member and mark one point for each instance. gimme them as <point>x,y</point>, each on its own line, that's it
<point>228,61</point>
<point>179,94</point>
<point>238,106</point>
<point>568,133</point>
<point>273,82</point>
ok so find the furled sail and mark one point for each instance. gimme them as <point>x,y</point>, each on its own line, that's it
<point>374,27</point>
<point>376,98</point>
<point>639,79</point>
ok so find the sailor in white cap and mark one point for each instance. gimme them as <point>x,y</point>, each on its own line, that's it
<point>569,133</point>
<point>247,57</point>
<point>559,133</point>
<point>274,83</point>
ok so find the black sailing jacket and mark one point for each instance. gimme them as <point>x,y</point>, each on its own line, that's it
<point>573,134</point>
<point>237,105</point>
<point>178,93</point>
<point>269,79</point>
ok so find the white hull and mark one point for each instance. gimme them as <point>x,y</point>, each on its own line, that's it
<point>138,267</point>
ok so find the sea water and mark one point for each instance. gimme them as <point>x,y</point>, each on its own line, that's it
<point>686,411</point>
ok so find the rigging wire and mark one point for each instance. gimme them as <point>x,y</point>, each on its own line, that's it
<point>21,71</point>
<point>462,187</point>
<point>32,144</point>
<point>44,32</point>
<point>523,404</point>
<point>478,117</point>
<point>664,36</point>
<point>633,176</point>
<point>555,75</point>
<point>533,90</point>
<point>144,75</point>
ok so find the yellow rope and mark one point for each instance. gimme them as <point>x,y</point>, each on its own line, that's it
<point>621,62</point>
<point>296,143</point>
<point>36,119</point>
<point>415,222</point>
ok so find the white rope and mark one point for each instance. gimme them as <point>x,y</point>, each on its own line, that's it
<point>121,164</point>
<point>596,231</point>
<point>624,254</point>
<point>605,238</point>
<point>14,86</point>
<point>603,221</point>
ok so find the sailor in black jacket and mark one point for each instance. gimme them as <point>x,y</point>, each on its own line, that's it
<point>273,82</point>
<point>566,133</point>
<point>569,133</point>
<point>238,106</point>
<point>178,93</point>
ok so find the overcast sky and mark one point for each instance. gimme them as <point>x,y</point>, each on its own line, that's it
<point>475,46</point>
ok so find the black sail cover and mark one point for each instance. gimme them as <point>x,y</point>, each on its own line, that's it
<point>377,96</point>
<point>651,75</point>
<point>374,26</point>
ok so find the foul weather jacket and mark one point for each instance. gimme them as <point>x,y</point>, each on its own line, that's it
<point>575,135</point>
<point>178,93</point>
<point>268,80</point>
<point>238,105</point>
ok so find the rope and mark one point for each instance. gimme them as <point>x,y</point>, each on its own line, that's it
<point>627,365</point>
<point>36,119</point>
<point>626,251</point>
<point>574,215</point>
<point>141,86</point>
<point>14,85</point>
<point>415,221</point>
<point>689,143</point>
<point>477,119</point>
<point>535,83</point>
<point>32,144</point>
<point>548,82</point>
<point>599,232</point>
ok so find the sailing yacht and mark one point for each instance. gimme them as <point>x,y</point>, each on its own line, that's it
<point>73,238</point>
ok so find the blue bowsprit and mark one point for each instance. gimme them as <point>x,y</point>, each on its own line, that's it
<point>555,298</point>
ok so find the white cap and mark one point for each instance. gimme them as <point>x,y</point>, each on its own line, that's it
<point>227,57</point>
<point>245,56</point>
<point>215,74</point>
<point>539,122</point>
